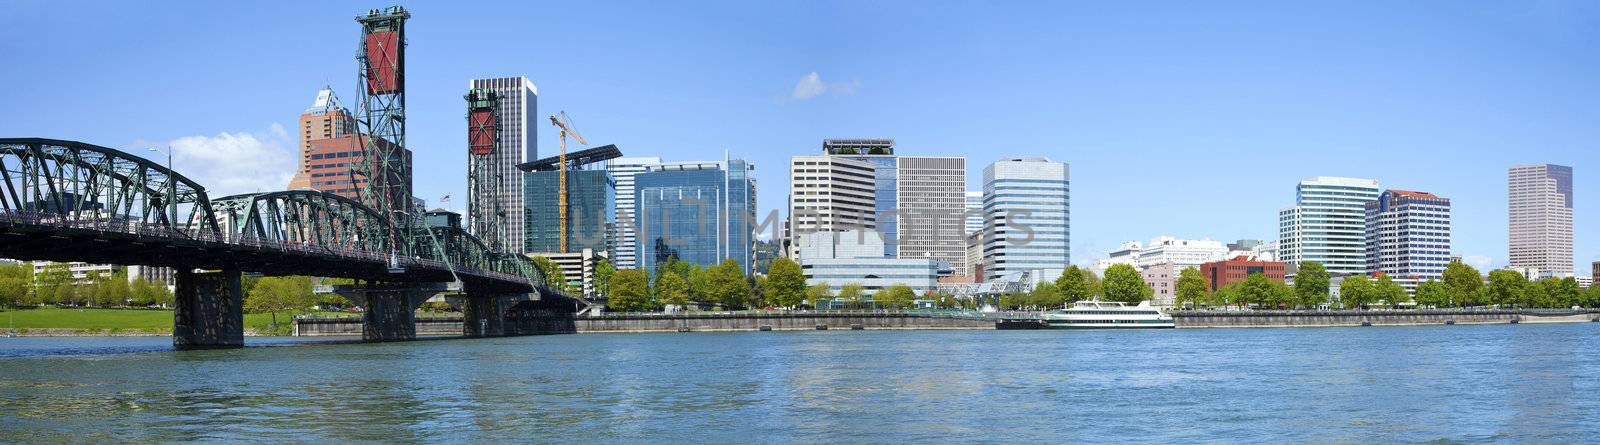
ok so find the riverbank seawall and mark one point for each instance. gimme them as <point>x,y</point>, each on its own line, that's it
<point>1272,319</point>
<point>708,322</point>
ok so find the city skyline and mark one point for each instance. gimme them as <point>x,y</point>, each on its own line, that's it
<point>1480,118</point>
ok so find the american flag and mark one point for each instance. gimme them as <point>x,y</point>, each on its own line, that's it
<point>445,198</point>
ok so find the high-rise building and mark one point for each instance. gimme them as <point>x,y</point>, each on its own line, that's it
<point>829,193</point>
<point>698,212</point>
<point>518,111</point>
<point>624,242</point>
<point>1540,206</point>
<point>1027,223</point>
<point>331,149</point>
<point>1408,235</point>
<point>932,200</point>
<point>1328,224</point>
<point>590,197</point>
<point>880,153</point>
<point>974,215</point>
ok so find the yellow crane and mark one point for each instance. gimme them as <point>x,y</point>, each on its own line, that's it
<point>562,195</point>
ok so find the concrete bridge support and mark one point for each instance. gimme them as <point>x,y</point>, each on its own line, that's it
<point>209,310</point>
<point>484,314</point>
<point>391,310</point>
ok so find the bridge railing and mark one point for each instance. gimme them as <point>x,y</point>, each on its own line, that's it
<point>158,231</point>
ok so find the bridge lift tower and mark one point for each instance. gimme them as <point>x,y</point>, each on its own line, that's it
<point>382,78</point>
<point>484,210</point>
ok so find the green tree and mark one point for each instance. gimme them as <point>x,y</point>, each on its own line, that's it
<point>164,296</point>
<point>1433,294</point>
<point>1192,287</point>
<point>1124,284</point>
<point>725,284</point>
<point>946,301</point>
<point>786,284</point>
<point>1463,284</point>
<point>1231,294</point>
<point>896,296</point>
<point>15,284</point>
<point>553,275</point>
<point>630,291</point>
<point>1506,287</point>
<point>1046,295</point>
<point>1075,284</point>
<point>1591,296</point>
<point>1096,289</point>
<point>1260,291</point>
<point>1568,293</point>
<point>1311,284</point>
<point>1356,291</point>
<point>280,294</point>
<point>602,278</point>
<point>55,284</point>
<point>853,294</point>
<point>1542,293</point>
<point>1389,292</point>
<point>819,295</point>
<point>671,289</point>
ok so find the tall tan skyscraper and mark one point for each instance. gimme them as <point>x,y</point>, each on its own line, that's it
<point>1540,208</point>
<point>519,129</point>
<point>932,204</point>
<point>829,193</point>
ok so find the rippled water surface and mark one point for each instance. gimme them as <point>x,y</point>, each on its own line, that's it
<point>1518,383</point>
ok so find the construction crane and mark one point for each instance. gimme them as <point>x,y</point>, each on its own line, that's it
<point>566,129</point>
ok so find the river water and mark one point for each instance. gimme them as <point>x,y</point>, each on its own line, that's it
<point>1493,383</point>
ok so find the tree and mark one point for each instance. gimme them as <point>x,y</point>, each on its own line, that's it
<point>1228,295</point>
<point>1542,293</point>
<point>946,301</point>
<point>819,295</point>
<point>1505,287</point>
<point>15,284</point>
<point>1568,294</point>
<point>1356,291</point>
<point>553,275</point>
<point>786,284</point>
<point>1095,288</point>
<point>896,296</point>
<point>1258,290</point>
<point>55,284</point>
<point>1311,284</point>
<point>852,294</point>
<point>1384,288</point>
<point>1192,287</point>
<point>698,284</point>
<point>1591,297</point>
<point>1124,284</point>
<point>630,291</point>
<point>602,277</point>
<point>726,285</point>
<point>1074,285</point>
<point>1046,295</point>
<point>1463,284</point>
<point>280,294</point>
<point>1433,294</point>
<point>671,289</point>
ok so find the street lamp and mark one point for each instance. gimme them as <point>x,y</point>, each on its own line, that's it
<point>169,155</point>
<point>172,189</point>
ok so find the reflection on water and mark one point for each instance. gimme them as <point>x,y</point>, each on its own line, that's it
<point>1385,384</point>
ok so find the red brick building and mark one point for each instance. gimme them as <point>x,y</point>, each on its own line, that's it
<point>1225,272</point>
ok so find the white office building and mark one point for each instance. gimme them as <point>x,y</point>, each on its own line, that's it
<point>1408,235</point>
<point>625,242</point>
<point>974,215</point>
<point>1328,224</point>
<point>1182,253</point>
<point>518,109</point>
<point>856,257</point>
<point>1027,223</point>
<point>1540,209</point>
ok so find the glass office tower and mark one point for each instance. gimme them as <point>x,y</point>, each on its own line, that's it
<point>590,198</point>
<point>698,212</point>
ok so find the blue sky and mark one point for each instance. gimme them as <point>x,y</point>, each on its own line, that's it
<point>1178,118</point>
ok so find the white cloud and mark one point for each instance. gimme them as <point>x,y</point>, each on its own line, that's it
<point>1480,262</point>
<point>812,86</point>
<point>233,163</point>
<point>809,87</point>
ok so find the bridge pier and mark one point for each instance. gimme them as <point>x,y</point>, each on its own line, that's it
<point>484,314</point>
<point>390,310</point>
<point>209,310</point>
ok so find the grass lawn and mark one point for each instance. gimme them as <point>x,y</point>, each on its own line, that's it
<point>123,320</point>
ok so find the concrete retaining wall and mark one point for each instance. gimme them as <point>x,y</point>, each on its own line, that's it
<point>776,322</point>
<point>1209,319</point>
<point>426,326</point>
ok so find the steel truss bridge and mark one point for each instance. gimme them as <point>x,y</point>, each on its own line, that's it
<point>71,201</point>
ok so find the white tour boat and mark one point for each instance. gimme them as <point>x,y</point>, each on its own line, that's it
<point>1106,315</point>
